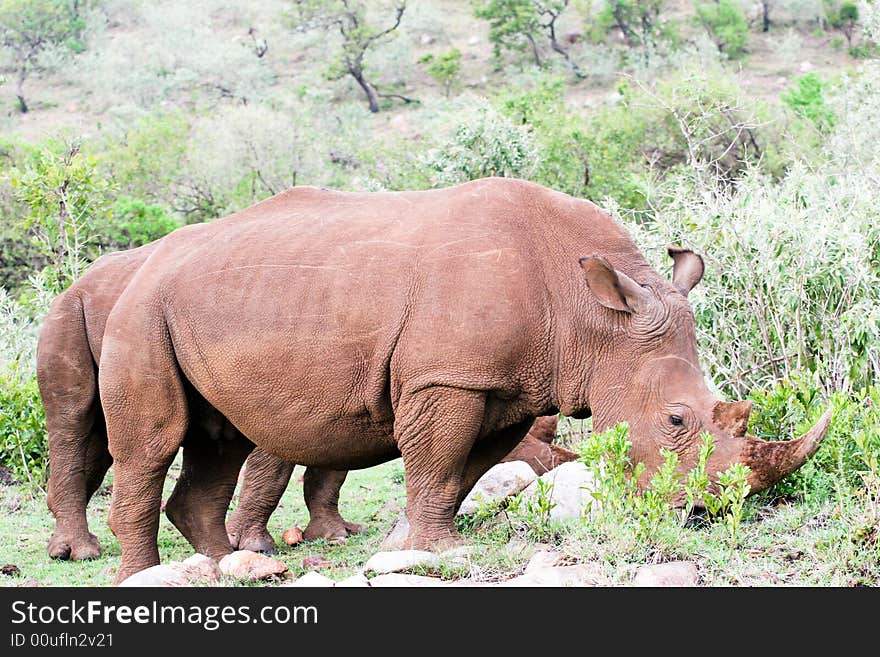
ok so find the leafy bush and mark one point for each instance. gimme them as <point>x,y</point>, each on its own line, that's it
<point>808,101</point>
<point>23,443</point>
<point>133,222</point>
<point>725,23</point>
<point>789,408</point>
<point>558,135</point>
<point>66,195</point>
<point>650,514</point>
<point>484,144</point>
<point>23,446</point>
<point>444,68</point>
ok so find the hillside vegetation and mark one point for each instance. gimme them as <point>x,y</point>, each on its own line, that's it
<point>746,131</point>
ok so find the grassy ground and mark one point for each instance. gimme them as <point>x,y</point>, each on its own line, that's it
<point>807,544</point>
<point>373,497</point>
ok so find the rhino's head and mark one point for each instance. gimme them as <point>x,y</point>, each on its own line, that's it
<point>650,377</point>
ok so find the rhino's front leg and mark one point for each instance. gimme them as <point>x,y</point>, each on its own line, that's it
<point>435,429</point>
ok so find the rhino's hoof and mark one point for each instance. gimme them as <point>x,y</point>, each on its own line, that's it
<point>261,542</point>
<point>354,528</point>
<point>74,548</point>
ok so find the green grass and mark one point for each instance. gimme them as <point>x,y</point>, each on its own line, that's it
<point>373,497</point>
<point>820,543</point>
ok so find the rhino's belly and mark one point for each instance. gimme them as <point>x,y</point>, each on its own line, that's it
<point>340,445</point>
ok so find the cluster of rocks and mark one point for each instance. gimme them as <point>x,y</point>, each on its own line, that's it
<point>394,567</point>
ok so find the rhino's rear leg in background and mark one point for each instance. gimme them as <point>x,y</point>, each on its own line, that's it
<point>213,453</point>
<point>78,454</point>
<point>265,479</point>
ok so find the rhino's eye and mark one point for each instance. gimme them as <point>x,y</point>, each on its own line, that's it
<point>675,420</point>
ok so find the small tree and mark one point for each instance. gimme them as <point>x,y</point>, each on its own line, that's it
<point>349,18</point>
<point>30,27</point>
<point>726,25</point>
<point>513,22</point>
<point>638,20</point>
<point>444,68</point>
<point>842,16</point>
<point>66,197</point>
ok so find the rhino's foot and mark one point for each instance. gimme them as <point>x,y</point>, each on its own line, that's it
<point>75,547</point>
<point>258,540</point>
<point>433,542</point>
<point>354,528</point>
<point>331,530</point>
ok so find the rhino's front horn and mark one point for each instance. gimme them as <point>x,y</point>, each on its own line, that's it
<point>770,461</point>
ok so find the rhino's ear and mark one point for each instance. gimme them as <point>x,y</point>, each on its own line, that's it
<point>687,268</point>
<point>613,288</point>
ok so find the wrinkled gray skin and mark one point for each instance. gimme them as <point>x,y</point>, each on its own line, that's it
<point>490,303</point>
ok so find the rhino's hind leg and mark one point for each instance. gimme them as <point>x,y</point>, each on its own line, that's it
<point>265,480</point>
<point>321,492</point>
<point>198,505</point>
<point>144,432</point>
<point>435,430</point>
<point>77,467</point>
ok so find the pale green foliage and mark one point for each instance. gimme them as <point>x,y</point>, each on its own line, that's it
<point>531,511</point>
<point>485,144</point>
<point>444,68</point>
<point>65,194</point>
<point>725,23</point>
<point>651,514</point>
<point>733,488</point>
<point>351,20</point>
<point>793,265</point>
<point>179,56</point>
<point>30,28</point>
<point>262,153</point>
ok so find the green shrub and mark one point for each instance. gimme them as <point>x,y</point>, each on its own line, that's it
<point>66,196</point>
<point>484,144</point>
<point>808,101</point>
<point>133,222</point>
<point>23,443</point>
<point>444,68</point>
<point>726,25</point>
<point>558,134</point>
<point>650,514</point>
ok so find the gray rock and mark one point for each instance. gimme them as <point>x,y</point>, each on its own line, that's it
<point>166,574</point>
<point>399,580</point>
<point>312,580</point>
<point>502,480</point>
<point>355,581</point>
<point>673,573</point>
<point>572,483</point>
<point>250,566</point>
<point>394,562</point>
<point>397,536</point>
<point>579,575</point>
